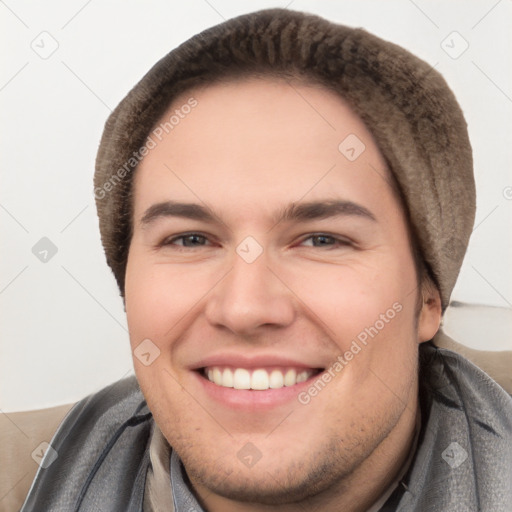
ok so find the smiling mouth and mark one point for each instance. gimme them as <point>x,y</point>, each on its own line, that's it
<point>257,379</point>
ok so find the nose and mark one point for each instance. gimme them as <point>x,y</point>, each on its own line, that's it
<point>250,297</point>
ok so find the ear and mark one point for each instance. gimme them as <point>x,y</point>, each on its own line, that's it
<point>430,315</point>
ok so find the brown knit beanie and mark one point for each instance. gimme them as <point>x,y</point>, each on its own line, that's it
<point>405,103</point>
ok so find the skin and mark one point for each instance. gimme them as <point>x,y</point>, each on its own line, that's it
<point>246,151</point>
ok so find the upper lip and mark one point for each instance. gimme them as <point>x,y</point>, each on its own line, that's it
<point>253,362</point>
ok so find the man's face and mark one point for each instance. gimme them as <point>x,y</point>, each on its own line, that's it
<point>258,283</point>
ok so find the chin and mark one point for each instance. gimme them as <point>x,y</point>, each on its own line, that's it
<point>277,481</point>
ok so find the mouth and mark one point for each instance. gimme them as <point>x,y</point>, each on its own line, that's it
<point>257,379</point>
<point>254,383</point>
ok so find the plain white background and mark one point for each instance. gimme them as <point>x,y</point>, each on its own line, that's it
<point>63,331</point>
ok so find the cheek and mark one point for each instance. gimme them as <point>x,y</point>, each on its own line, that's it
<point>160,298</point>
<point>367,313</point>
<point>350,298</point>
<point>143,289</point>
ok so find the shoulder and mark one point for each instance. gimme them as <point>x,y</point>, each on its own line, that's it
<point>467,399</point>
<point>464,454</point>
<point>81,462</point>
<point>118,402</point>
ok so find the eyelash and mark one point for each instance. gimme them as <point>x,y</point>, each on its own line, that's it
<point>171,241</point>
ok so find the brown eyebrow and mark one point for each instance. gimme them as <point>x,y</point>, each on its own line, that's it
<point>293,212</point>
<point>174,209</point>
<point>322,210</point>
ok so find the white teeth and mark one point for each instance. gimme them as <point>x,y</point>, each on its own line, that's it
<point>290,378</point>
<point>217,376</point>
<point>259,379</point>
<point>242,379</point>
<point>227,378</point>
<point>276,380</point>
<point>302,376</point>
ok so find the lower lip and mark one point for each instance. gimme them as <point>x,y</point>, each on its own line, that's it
<point>249,399</point>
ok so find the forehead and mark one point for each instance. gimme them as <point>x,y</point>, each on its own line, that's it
<point>254,140</point>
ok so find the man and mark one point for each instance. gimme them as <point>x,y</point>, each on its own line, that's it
<point>285,204</point>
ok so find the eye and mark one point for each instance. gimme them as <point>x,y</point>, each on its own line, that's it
<point>192,240</point>
<point>324,240</point>
<point>187,240</point>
